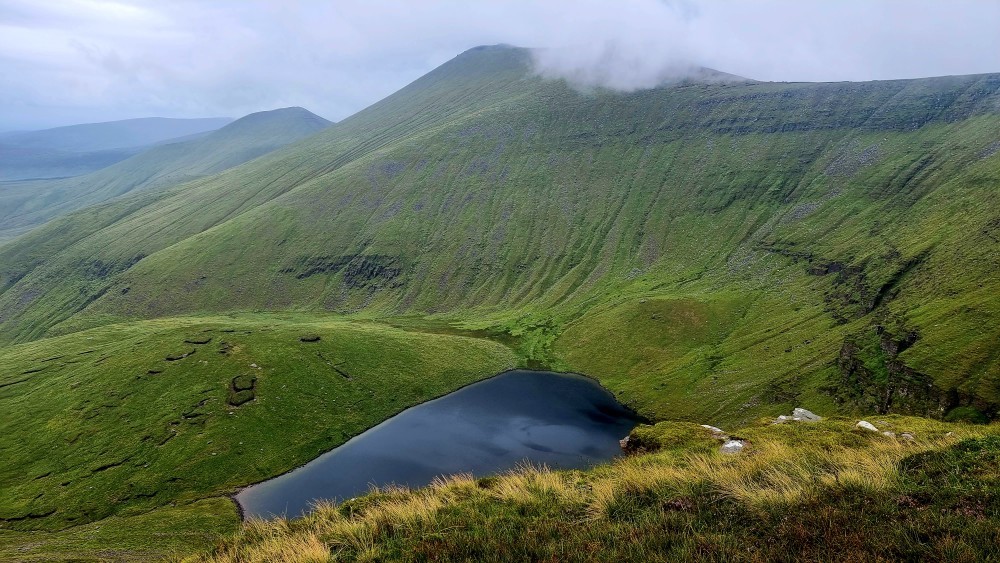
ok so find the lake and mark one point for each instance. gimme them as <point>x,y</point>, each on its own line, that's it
<point>564,421</point>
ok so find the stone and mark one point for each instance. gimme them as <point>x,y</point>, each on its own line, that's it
<point>866,425</point>
<point>713,429</point>
<point>889,434</point>
<point>805,415</point>
<point>907,436</point>
<point>733,446</point>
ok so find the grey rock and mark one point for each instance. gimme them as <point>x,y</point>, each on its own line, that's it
<point>713,429</point>
<point>805,415</point>
<point>733,446</point>
<point>864,424</point>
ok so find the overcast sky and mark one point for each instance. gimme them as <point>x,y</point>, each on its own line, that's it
<point>72,61</point>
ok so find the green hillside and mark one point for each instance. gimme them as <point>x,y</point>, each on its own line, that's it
<point>109,135</point>
<point>711,251</point>
<point>171,411</point>
<point>29,203</point>
<point>79,149</point>
<point>19,163</point>
<point>792,242</point>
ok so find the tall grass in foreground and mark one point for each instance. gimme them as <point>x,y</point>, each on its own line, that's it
<point>819,491</point>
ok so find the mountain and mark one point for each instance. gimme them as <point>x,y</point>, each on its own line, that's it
<point>711,251</point>
<point>22,163</point>
<point>109,135</point>
<point>30,203</point>
<point>822,219</point>
<point>79,149</point>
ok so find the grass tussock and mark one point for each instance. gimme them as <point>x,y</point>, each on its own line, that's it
<point>814,491</point>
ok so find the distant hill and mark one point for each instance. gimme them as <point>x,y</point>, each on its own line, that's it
<point>108,135</point>
<point>79,149</point>
<point>30,203</point>
<point>23,163</point>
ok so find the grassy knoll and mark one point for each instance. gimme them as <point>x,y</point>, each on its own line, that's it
<point>823,491</point>
<point>127,418</point>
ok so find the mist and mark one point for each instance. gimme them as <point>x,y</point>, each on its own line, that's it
<point>94,60</point>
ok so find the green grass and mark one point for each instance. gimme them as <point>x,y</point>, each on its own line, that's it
<point>488,198</point>
<point>712,253</point>
<point>162,533</point>
<point>100,423</point>
<point>819,492</point>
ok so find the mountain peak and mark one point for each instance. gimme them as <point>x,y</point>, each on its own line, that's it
<point>280,114</point>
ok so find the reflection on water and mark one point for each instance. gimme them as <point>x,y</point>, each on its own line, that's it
<point>560,420</point>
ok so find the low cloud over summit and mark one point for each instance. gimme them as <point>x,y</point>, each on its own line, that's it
<point>93,60</point>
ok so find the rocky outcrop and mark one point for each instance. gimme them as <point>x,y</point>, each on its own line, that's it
<point>873,377</point>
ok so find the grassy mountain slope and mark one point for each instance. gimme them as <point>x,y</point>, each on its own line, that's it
<point>712,252</point>
<point>79,149</point>
<point>761,243</point>
<point>127,418</point>
<point>813,492</point>
<point>26,204</point>
<point>89,137</point>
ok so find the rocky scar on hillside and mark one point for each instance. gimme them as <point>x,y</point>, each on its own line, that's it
<point>873,378</point>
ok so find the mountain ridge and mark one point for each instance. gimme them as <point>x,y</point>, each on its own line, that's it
<point>711,253</point>
<point>30,203</point>
<point>783,156</point>
<point>107,135</point>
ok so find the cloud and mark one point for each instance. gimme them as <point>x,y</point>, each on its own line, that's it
<point>594,52</point>
<point>87,60</point>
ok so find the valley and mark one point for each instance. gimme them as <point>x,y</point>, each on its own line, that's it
<point>212,313</point>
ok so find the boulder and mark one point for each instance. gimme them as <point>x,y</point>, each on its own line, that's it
<point>713,429</point>
<point>864,424</point>
<point>805,415</point>
<point>907,436</point>
<point>733,446</point>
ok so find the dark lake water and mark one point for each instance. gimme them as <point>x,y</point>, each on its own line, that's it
<point>561,420</point>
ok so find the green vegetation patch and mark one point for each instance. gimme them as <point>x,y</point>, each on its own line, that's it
<point>123,419</point>
<point>162,533</point>
<point>804,491</point>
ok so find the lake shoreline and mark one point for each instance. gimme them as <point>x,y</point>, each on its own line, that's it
<point>606,395</point>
